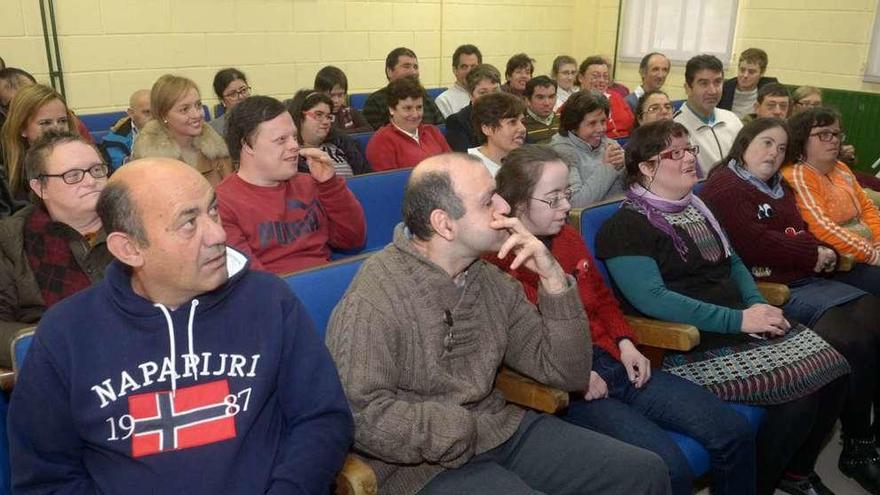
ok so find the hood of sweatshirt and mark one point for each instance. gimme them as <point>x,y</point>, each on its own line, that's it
<point>136,306</point>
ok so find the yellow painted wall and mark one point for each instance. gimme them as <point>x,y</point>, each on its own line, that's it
<point>109,48</point>
<point>817,42</point>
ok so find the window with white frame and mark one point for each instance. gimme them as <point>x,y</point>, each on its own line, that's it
<point>872,67</point>
<point>678,28</point>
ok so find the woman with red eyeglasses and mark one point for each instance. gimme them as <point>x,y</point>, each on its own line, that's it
<point>671,260</point>
<point>312,114</point>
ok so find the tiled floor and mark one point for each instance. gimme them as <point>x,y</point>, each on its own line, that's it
<point>827,469</point>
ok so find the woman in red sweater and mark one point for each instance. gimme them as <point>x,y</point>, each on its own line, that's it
<point>624,398</point>
<point>404,141</point>
<point>758,211</point>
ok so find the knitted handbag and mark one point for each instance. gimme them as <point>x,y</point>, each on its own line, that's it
<point>763,371</point>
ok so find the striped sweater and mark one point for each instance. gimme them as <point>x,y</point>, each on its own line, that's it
<point>837,210</point>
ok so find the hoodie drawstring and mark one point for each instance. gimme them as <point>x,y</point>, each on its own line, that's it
<point>171,345</point>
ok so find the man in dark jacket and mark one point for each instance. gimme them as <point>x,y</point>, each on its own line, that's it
<point>116,146</point>
<point>740,93</point>
<point>401,62</point>
<point>183,371</point>
<point>50,250</point>
<point>481,80</point>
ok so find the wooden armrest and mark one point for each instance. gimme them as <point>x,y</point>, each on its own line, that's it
<point>7,379</point>
<point>356,478</point>
<point>664,334</point>
<point>845,262</point>
<point>529,393</point>
<point>775,294</point>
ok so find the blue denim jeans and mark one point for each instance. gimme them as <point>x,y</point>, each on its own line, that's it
<point>667,402</point>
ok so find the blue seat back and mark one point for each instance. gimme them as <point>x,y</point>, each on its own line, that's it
<point>588,221</point>
<point>362,138</point>
<point>100,122</point>
<point>433,93</point>
<point>219,110</point>
<point>676,104</point>
<point>358,100</point>
<point>321,288</point>
<point>381,195</point>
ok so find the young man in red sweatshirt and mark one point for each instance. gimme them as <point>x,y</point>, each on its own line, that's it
<point>283,220</point>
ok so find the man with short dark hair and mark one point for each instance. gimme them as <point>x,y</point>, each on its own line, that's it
<point>181,372</point>
<point>400,62</point>
<point>116,145</point>
<point>55,247</point>
<point>422,331</point>
<point>712,129</point>
<point>740,93</point>
<point>773,101</point>
<point>541,121</point>
<point>465,58</point>
<point>481,80</point>
<point>281,218</point>
<point>519,70</point>
<point>653,69</point>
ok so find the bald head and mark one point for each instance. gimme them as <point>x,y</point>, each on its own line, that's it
<point>139,108</point>
<point>432,187</point>
<point>141,185</point>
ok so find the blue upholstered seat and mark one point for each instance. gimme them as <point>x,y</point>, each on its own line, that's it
<point>380,194</point>
<point>320,288</point>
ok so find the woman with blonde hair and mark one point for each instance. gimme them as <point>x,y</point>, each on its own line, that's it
<point>34,110</point>
<point>178,130</point>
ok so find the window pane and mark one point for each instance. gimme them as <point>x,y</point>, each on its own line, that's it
<point>678,28</point>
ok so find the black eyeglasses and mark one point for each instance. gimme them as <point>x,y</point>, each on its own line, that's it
<point>241,93</point>
<point>827,136</point>
<point>76,175</point>
<point>556,201</point>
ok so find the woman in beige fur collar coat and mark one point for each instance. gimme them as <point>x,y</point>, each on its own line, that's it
<point>178,130</point>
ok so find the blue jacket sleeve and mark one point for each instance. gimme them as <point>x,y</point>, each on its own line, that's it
<point>45,448</point>
<point>318,424</point>
<point>638,277</point>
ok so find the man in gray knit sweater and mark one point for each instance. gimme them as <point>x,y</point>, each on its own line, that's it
<point>420,334</point>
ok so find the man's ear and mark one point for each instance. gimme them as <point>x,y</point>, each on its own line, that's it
<point>442,224</point>
<point>125,249</point>
<point>37,187</point>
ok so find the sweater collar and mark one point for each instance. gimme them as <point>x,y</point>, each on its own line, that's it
<point>431,276</point>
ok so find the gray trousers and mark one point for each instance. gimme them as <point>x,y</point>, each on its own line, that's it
<point>548,455</point>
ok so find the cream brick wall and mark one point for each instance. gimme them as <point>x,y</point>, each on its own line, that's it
<point>109,48</point>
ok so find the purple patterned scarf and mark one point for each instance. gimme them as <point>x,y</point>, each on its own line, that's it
<point>653,207</point>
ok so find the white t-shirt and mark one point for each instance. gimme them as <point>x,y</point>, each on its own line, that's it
<point>492,166</point>
<point>452,100</point>
<point>744,102</point>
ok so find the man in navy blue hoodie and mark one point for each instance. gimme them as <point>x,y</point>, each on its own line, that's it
<point>181,372</point>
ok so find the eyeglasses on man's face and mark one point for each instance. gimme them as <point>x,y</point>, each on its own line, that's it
<point>555,202</point>
<point>76,175</point>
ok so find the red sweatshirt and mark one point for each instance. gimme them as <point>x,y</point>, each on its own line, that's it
<point>290,226</point>
<point>391,148</point>
<point>607,324</point>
